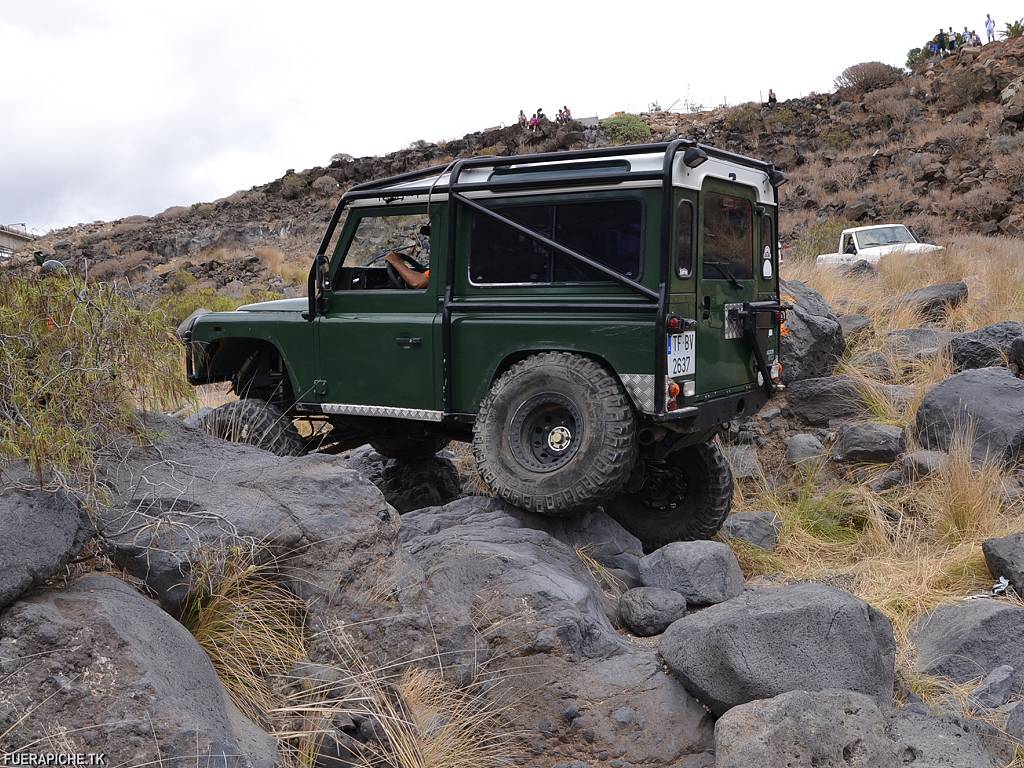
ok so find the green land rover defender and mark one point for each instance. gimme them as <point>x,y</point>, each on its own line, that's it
<point>589,320</point>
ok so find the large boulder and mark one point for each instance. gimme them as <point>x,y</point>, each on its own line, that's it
<point>814,341</point>
<point>914,344</point>
<point>190,492</point>
<point>819,401</point>
<point>509,587</point>
<point>967,640</point>
<point>120,677</point>
<point>869,442</point>
<point>825,729</point>
<point>1005,557</point>
<point>39,532</point>
<point>948,742</point>
<point>773,640</point>
<point>648,611</point>
<point>987,401</point>
<point>933,301</point>
<point>986,347</point>
<point>704,572</point>
<point>804,449</point>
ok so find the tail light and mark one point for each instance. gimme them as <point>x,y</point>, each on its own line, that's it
<point>673,390</point>
<point>673,323</point>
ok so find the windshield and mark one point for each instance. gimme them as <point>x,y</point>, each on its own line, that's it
<point>870,238</point>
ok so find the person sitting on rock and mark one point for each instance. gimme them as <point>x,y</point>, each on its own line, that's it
<point>772,98</point>
<point>522,119</point>
<point>566,114</point>
<point>534,123</point>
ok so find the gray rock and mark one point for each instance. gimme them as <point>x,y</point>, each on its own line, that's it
<point>743,461</point>
<point>824,729</point>
<point>911,466</point>
<point>761,529</point>
<point>915,343</point>
<point>505,584</point>
<point>804,448</point>
<point>859,268</point>
<point>39,532</point>
<point>814,343</point>
<point>999,686</point>
<point>933,301</point>
<point>988,400</point>
<point>854,326</point>
<point>409,485</point>
<point>869,442</point>
<point>704,572</point>
<point>648,611</point>
<point>1016,355</point>
<point>985,347</point>
<point>946,742</point>
<point>128,665</point>
<point>819,401</point>
<point>1005,557</point>
<point>1015,722</point>
<point>769,641</point>
<point>967,640</point>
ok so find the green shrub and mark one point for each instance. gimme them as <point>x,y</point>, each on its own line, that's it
<point>181,281</point>
<point>742,118</point>
<point>76,362</point>
<point>917,58</point>
<point>964,87</point>
<point>626,129</point>
<point>784,117</point>
<point>837,138</point>
<point>1013,30</point>
<point>175,307</point>
<point>869,75</point>
<point>820,237</point>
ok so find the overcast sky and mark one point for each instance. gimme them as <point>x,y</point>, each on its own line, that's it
<point>113,108</point>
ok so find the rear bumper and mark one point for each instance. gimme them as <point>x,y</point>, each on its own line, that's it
<point>711,413</point>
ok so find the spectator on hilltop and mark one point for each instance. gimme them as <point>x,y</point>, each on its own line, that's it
<point>522,119</point>
<point>942,41</point>
<point>772,98</point>
<point>534,123</point>
<point>541,117</point>
<point>990,28</point>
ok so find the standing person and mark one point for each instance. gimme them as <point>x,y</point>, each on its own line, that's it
<point>942,41</point>
<point>990,28</point>
<point>522,119</point>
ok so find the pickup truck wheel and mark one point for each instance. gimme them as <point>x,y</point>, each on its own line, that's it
<point>685,496</point>
<point>255,422</point>
<point>555,433</point>
<point>408,448</point>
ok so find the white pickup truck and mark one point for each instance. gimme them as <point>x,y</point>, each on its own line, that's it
<point>872,243</point>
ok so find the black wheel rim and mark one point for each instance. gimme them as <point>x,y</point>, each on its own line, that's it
<point>664,486</point>
<point>545,432</point>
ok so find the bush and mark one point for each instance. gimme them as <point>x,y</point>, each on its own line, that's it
<point>76,362</point>
<point>868,76</point>
<point>917,58</point>
<point>175,307</point>
<point>742,118</point>
<point>181,281</point>
<point>626,129</point>
<point>821,237</point>
<point>962,89</point>
<point>1014,29</point>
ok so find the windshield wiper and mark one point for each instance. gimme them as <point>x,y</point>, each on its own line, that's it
<point>725,273</point>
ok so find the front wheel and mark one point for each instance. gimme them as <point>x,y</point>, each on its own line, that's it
<point>257,423</point>
<point>686,495</point>
<point>555,433</point>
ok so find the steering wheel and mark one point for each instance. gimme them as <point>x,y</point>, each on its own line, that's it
<point>394,277</point>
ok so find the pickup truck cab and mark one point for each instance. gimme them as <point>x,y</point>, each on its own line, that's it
<point>871,243</point>
<point>588,320</point>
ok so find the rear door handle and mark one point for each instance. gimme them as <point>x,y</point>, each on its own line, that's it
<point>408,342</point>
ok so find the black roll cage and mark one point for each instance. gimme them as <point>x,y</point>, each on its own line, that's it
<point>657,301</point>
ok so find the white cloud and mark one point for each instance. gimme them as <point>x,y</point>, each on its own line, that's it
<point>113,108</point>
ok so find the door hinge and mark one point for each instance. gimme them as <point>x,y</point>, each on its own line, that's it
<point>320,387</point>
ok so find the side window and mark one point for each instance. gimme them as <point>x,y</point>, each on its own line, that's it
<point>609,232</point>
<point>684,239</point>
<point>376,235</point>
<point>499,254</point>
<point>728,235</point>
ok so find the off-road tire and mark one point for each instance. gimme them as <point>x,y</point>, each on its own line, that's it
<point>408,448</point>
<point>602,456</point>
<point>258,423</point>
<point>698,515</point>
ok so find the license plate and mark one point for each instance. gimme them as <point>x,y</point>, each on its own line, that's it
<point>681,353</point>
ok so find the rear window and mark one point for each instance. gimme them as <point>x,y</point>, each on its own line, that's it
<point>728,236</point>
<point>684,239</point>
<point>608,231</point>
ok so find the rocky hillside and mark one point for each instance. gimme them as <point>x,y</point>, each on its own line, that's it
<point>942,150</point>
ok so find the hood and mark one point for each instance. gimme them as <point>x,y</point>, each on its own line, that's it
<point>885,250</point>
<point>278,305</point>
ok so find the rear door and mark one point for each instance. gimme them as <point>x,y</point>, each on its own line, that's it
<point>726,255</point>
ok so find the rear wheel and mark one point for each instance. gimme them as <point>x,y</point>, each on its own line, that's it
<point>408,448</point>
<point>255,422</point>
<point>555,433</point>
<point>684,496</point>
